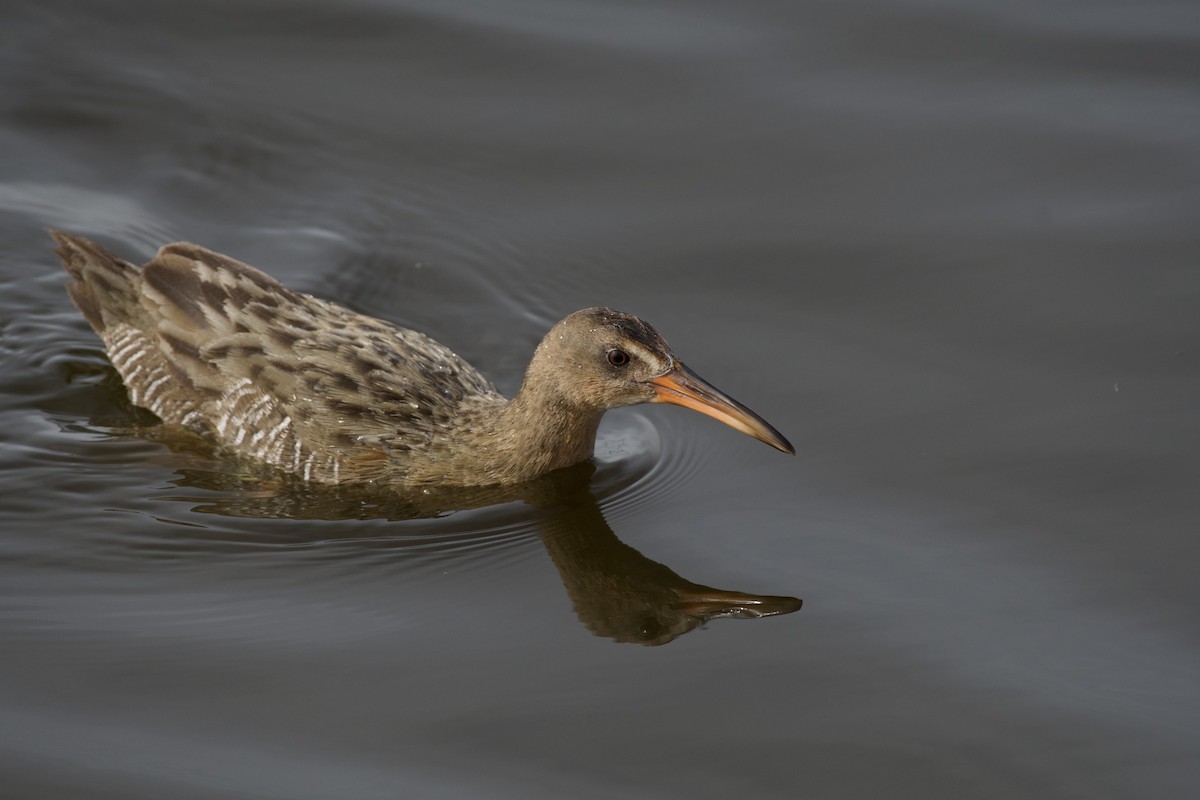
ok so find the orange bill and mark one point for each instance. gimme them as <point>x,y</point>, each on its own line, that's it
<point>682,387</point>
<point>705,603</point>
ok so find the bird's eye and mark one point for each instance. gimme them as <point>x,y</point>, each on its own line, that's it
<point>618,358</point>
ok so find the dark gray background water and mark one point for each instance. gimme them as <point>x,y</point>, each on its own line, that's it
<point>950,249</point>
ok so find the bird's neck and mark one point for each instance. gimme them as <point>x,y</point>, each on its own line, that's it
<point>494,441</point>
<point>540,432</point>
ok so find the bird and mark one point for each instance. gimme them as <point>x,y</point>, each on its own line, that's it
<point>333,396</point>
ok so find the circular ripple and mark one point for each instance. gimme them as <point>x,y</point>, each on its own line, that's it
<point>648,473</point>
<point>215,507</point>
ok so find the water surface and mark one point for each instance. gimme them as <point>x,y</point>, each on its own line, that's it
<point>949,249</point>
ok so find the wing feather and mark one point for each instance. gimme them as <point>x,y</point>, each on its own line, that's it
<point>295,380</point>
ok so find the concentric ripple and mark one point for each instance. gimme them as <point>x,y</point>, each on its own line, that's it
<point>636,468</point>
<point>95,449</point>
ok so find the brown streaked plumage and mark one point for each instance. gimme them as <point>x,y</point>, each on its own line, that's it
<point>318,390</point>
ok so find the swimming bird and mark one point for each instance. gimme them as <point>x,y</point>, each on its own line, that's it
<point>315,389</point>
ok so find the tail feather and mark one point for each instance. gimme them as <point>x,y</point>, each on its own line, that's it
<point>109,292</point>
<point>100,280</point>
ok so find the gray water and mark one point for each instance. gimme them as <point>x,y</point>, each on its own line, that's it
<point>950,250</point>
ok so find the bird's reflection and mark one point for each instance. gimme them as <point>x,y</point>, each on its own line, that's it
<point>620,594</point>
<point>617,592</point>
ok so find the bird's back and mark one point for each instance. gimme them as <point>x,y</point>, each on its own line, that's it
<point>205,341</point>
